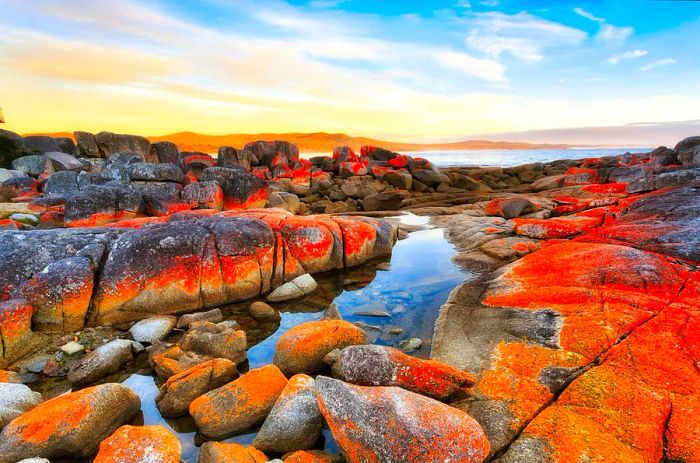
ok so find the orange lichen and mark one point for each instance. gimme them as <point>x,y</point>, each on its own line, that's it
<point>233,452</point>
<point>139,444</point>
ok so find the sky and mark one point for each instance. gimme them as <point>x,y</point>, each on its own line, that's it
<point>401,70</point>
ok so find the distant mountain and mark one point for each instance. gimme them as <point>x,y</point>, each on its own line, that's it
<point>322,142</point>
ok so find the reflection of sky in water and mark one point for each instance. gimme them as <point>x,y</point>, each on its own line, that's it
<point>418,282</point>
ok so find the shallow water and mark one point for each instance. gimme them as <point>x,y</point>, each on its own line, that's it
<point>410,287</point>
<point>511,158</point>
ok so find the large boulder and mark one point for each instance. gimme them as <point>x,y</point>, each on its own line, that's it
<point>11,147</point>
<point>168,359</point>
<point>110,143</point>
<point>34,165</point>
<point>387,424</point>
<point>273,154</point>
<point>239,405</point>
<point>105,360</point>
<point>16,399</point>
<point>71,425</point>
<point>100,205</point>
<point>371,365</point>
<point>295,422</point>
<point>241,189</point>
<point>165,152</point>
<point>63,183</point>
<point>180,390</point>
<point>140,444</point>
<point>63,161</point>
<point>303,347</point>
<point>204,195</point>
<point>688,151</point>
<point>385,201</point>
<point>144,171</point>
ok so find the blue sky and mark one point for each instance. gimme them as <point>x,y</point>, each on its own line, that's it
<point>409,70</point>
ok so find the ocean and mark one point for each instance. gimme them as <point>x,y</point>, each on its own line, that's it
<point>510,158</point>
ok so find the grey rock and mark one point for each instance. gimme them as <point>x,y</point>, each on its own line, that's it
<point>410,345</point>
<point>216,340</point>
<point>263,312</point>
<point>298,287</point>
<point>86,145</point>
<point>33,165</point>
<point>385,201</point>
<point>153,329</point>
<point>164,152</point>
<point>155,172</point>
<point>105,360</point>
<point>110,143</point>
<point>16,399</point>
<point>295,421</point>
<point>214,316</point>
<point>61,183</point>
<point>62,161</point>
<point>41,144</point>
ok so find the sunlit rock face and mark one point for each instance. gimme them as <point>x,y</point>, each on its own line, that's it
<point>179,264</point>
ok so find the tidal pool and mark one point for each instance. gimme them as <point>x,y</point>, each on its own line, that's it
<point>407,290</point>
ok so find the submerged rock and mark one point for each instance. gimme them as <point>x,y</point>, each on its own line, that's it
<point>240,404</point>
<point>214,316</point>
<point>140,444</point>
<point>69,426</point>
<point>218,452</point>
<point>298,287</point>
<point>168,359</point>
<point>312,456</point>
<point>303,347</point>
<point>384,366</point>
<point>263,312</point>
<point>180,390</point>
<point>389,424</point>
<point>295,422</point>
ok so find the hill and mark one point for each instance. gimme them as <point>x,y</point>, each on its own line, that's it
<point>321,142</point>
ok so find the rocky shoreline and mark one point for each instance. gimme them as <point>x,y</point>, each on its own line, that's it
<point>577,338</point>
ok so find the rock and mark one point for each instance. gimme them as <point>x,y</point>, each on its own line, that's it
<point>239,405</point>
<point>168,360</point>
<point>214,316</point>
<point>241,189</point>
<point>27,219</point>
<point>216,340</point>
<point>145,171</point>
<point>391,424</point>
<point>510,248</point>
<point>110,143</point>
<point>34,165</point>
<point>204,195</point>
<point>688,151</point>
<point>140,444</point>
<point>303,347</point>
<point>384,366</point>
<point>298,287</point>
<point>273,154</point>
<point>60,294</point>
<point>61,183</point>
<point>344,154</point>
<point>377,154</point>
<point>100,205</point>
<point>410,345</point>
<point>232,157</point>
<point>509,208</point>
<point>72,347</point>
<point>385,201</point>
<point>61,161</point>
<point>153,328</point>
<point>34,460</point>
<point>557,227</point>
<point>180,390</point>
<point>10,377</point>
<point>287,201</point>
<point>40,143</point>
<point>263,312</point>
<point>16,331</point>
<point>71,425</point>
<point>86,145</point>
<point>218,452</point>
<point>16,399</point>
<point>312,456</point>
<point>164,152</point>
<point>332,313</point>
<point>399,179</point>
<point>124,159</point>
<point>105,360</point>
<point>295,422</point>
<point>360,187</point>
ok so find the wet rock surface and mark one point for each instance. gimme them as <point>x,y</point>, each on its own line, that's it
<point>139,444</point>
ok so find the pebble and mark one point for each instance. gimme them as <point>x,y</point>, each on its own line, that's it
<point>410,345</point>
<point>372,313</point>
<point>72,347</point>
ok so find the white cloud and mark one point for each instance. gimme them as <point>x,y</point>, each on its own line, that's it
<point>657,64</point>
<point>614,35</point>
<point>587,15</point>
<point>522,35</point>
<point>633,54</point>
<point>487,69</point>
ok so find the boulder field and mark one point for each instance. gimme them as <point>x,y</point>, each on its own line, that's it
<point>582,330</point>
<point>64,279</point>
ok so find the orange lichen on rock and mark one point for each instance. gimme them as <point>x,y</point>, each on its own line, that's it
<point>358,240</point>
<point>374,424</point>
<point>216,452</point>
<point>558,227</point>
<point>140,444</point>
<point>240,404</point>
<point>303,347</point>
<point>311,456</point>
